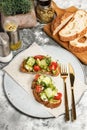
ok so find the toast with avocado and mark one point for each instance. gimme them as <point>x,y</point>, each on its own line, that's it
<point>40,64</point>
<point>45,92</point>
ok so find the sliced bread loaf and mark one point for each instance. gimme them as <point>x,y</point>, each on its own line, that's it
<point>60,21</point>
<point>76,27</point>
<point>79,44</point>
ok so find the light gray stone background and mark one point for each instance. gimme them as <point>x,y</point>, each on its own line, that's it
<point>12,119</point>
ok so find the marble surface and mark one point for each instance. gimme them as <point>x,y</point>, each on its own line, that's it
<point>11,118</point>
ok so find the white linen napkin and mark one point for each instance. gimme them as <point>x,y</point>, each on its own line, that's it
<point>25,80</point>
<point>13,67</point>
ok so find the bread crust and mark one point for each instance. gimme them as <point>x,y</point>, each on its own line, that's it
<point>55,23</point>
<point>70,38</point>
<point>45,103</point>
<point>79,44</point>
<point>77,49</point>
<point>60,21</point>
<point>22,69</point>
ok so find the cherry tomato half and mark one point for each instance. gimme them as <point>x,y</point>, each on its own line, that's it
<point>38,88</point>
<point>36,68</point>
<point>58,96</point>
<point>40,57</point>
<point>53,66</point>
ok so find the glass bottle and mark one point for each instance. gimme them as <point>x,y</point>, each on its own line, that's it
<point>11,28</point>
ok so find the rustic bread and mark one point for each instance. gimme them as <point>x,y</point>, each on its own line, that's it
<point>40,96</point>
<point>76,27</point>
<point>79,44</point>
<point>60,21</point>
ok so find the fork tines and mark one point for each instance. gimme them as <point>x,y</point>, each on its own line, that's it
<point>64,70</point>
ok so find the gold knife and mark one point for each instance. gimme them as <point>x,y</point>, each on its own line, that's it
<point>72,78</point>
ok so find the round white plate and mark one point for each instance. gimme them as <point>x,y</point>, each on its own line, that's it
<point>23,101</point>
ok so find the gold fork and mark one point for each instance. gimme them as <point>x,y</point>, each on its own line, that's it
<point>64,75</point>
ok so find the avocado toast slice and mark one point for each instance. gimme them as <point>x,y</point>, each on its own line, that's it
<point>40,64</point>
<point>45,92</point>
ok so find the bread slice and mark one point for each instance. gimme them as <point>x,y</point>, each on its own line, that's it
<point>45,92</point>
<point>40,64</point>
<point>79,44</point>
<point>60,21</point>
<point>76,27</point>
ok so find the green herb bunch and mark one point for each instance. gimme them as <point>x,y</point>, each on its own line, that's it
<point>13,7</point>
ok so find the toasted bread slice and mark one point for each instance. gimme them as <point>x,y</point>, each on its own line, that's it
<point>46,103</point>
<point>40,64</point>
<point>60,21</point>
<point>76,27</point>
<point>45,93</point>
<point>79,44</point>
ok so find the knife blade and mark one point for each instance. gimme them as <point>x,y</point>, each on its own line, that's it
<point>72,79</point>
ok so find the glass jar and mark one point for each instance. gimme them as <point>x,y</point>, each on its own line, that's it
<point>44,11</point>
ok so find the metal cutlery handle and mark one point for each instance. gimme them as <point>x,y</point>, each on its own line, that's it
<point>66,103</point>
<point>73,111</point>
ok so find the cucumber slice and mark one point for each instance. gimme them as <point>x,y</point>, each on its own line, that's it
<point>47,80</point>
<point>54,92</point>
<point>48,60</point>
<point>38,62</point>
<point>40,79</point>
<point>43,64</point>
<point>30,61</point>
<point>43,96</point>
<point>49,92</point>
<point>29,68</point>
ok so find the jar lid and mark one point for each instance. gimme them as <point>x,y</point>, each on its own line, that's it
<point>44,2</point>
